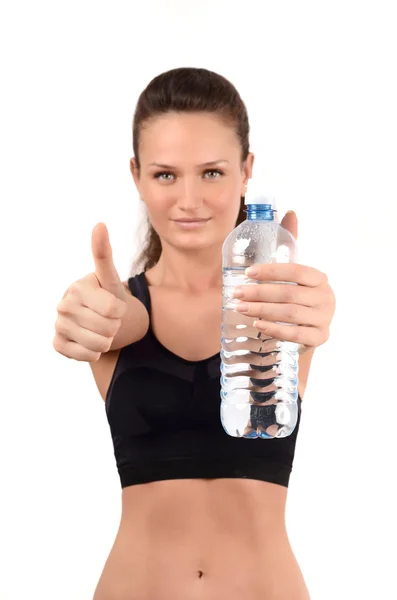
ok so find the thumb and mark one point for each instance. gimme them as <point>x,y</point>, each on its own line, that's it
<point>105,271</point>
<point>290,222</point>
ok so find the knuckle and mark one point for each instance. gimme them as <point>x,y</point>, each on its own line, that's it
<point>295,270</point>
<point>325,335</point>
<point>115,326</point>
<point>299,335</point>
<point>121,308</point>
<point>261,309</point>
<point>291,312</point>
<point>74,288</point>
<point>69,303</point>
<point>323,278</point>
<point>289,293</point>
<point>111,307</point>
<point>327,301</point>
<point>57,344</point>
<point>331,297</point>
<point>62,307</point>
<point>61,327</point>
<point>111,328</point>
<point>317,338</point>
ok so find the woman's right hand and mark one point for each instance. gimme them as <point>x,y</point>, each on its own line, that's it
<point>91,310</point>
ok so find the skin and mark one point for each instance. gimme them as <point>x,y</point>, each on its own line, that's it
<point>190,190</point>
<point>222,538</point>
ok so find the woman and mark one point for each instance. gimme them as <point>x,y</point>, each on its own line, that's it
<point>203,513</point>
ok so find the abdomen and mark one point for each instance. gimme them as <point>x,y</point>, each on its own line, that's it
<point>202,540</point>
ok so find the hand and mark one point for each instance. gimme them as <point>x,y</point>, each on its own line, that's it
<point>310,305</point>
<point>90,312</point>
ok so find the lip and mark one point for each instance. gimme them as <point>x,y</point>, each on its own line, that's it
<point>191,223</point>
<point>186,220</point>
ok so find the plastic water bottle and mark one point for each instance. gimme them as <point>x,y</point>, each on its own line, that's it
<point>259,374</point>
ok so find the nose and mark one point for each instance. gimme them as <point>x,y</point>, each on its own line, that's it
<point>190,196</point>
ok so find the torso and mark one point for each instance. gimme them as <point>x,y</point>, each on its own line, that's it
<point>197,539</point>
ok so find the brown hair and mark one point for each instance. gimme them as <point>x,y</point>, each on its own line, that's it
<point>187,89</point>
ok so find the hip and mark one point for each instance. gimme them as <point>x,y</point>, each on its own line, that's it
<point>179,575</point>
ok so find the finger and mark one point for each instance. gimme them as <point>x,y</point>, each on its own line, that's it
<point>73,350</point>
<point>280,292</point>
<point>308,336</point>
<point>288,272</point>
<point>285,313</point>
<point>98,300</point>
<point>88,319</point>
<point>105,270</point>
<point>70,331</point>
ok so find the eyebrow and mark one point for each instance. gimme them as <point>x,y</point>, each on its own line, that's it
<point>206,164</point>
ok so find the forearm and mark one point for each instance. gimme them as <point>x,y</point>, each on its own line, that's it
<point>305,359</point>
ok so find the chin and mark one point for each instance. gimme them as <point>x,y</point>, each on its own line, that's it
<point>193,244</point>
<point>192,241</point>
<point>196,239</point>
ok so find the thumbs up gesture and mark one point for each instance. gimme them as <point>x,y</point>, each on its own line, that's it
<point>105,271</point>
<point>92,308</point>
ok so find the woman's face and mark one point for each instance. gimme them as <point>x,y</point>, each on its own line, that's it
<point>191,178</point>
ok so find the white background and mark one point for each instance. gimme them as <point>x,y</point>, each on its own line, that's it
<point>318,79</point>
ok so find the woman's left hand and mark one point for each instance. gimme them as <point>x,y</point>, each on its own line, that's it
<point>310,305</point>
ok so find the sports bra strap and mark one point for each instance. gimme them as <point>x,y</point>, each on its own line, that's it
<point>139,288</point>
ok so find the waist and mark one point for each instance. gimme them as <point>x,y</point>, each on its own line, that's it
<point>203,539</point>
<point>209,502</point>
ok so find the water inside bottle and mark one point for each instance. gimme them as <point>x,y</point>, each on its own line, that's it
<point>258,373</point>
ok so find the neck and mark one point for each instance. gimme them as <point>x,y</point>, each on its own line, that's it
<point>195,271</point>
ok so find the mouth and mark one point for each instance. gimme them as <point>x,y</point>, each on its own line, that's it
<point>190,220</point>
<point>190,223</point>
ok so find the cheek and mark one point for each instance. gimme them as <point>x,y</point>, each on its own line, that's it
<point>157,200</point>
<point>227,205</point>
<point>157,212</point>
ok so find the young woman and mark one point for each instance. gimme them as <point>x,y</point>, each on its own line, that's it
<point>203,513</point>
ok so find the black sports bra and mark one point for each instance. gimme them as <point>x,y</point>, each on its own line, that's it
<point>164,417</point>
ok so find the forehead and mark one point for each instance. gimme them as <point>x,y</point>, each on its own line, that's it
<point>200,137</point>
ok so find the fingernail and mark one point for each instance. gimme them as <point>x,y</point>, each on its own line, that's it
<point>252,271</point>
<point>242,306</point>
<point>238,293</point>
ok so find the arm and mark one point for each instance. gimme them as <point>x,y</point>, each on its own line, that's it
<point>305,359</point>
<point>134,326</point>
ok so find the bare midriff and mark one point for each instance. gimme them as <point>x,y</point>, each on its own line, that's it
<point>195,539</point>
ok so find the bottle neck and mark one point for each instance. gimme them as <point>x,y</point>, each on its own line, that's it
<point>260,212</point>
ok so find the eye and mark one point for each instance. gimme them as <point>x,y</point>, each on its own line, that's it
<point>164,176</point>
<point>213,173</point>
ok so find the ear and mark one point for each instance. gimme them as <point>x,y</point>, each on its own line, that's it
<point>290,222</point>
<point>248,165</point>
<point>135,173</point>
